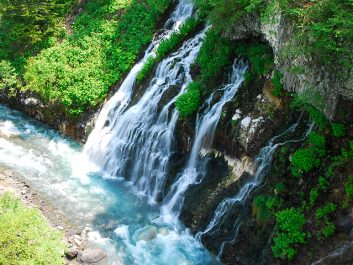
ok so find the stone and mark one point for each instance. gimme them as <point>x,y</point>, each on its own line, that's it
<point>344,224</point>
<point>71,253</point>
<point>31,102</point>
<point>60,227</point>
<point>146,233</point>
<point>77,242</point>
<point>77,237</point>
<point>236,117</point>
<point>246,122</point>
<point>92,255</point>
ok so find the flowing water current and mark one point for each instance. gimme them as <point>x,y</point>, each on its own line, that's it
<point>119,219</point>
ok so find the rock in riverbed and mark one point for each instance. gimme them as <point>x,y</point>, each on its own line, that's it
<point>92,255</point>
<point>71,253</point>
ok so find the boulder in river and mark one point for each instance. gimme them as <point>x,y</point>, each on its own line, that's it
<point>92,255</point>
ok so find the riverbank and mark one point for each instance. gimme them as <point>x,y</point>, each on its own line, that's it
<point>78,249</point>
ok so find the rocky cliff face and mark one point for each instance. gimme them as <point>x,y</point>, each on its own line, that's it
<point>300,74</point>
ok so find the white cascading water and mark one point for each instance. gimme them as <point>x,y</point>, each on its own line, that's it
<point>263,162</point>
<point>138,144</point>
<point>100,138</point>
<point>135,143</point>
<point>206,124</point>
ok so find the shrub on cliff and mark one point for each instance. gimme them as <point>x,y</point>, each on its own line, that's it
<point>25,236</point>
<point>189,102</point>
<point>307,158</point>
<point>167,46</point>
<point>289,233</point>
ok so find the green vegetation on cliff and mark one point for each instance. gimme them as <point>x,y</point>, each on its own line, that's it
<point>77,69</point>
<point>323,28</point>
<point>318,172</point>
<point>168,45</point>
<point>211,63</point>
<point>288,233</point>
<point>25,236</point>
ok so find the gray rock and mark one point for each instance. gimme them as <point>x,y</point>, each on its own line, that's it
<point>278,32</point>
<point>31,102</point>
<point>92,255</point>
<point>344,224</point>
<point>71,253</point>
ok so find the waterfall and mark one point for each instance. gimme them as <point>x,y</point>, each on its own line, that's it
<point>137,143</point>
<point>206,123</point>
<point>263,162</point>
<point>101,137</point>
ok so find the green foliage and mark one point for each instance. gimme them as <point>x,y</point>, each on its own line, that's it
<point>78,72</point>
<point>8,77</point>
<point>327,231</point>
<point>189,101</point>
<point>338,130</point>
<point>288,233</point>
<point>25,236</point>
<point>176,38</point>
<point>322,216</point>
<point>260,209</point>
<point>323,183</point>
<point>307,158</point>
<point>214,57</point>
<point>26,26</point>
<point>318,142</point>
<point>304,101</point>
<point>277,90</point>
<point>323,27</point>
<point>328,31</point>
<point>281,187</point>
<point>259,55</point>
<point>323,212</point>
<point>274,203</point>
<point>348,189</point>
<point>248,77</point>
<point>168,45</point>
<point>146,69</point>
<point>304,160</point>
<point>314,194</point>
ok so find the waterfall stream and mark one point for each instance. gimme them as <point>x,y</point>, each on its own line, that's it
<point>263,163</point>
<point>206,124</point>
<point>102,136</point>
<point>136,144</point>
